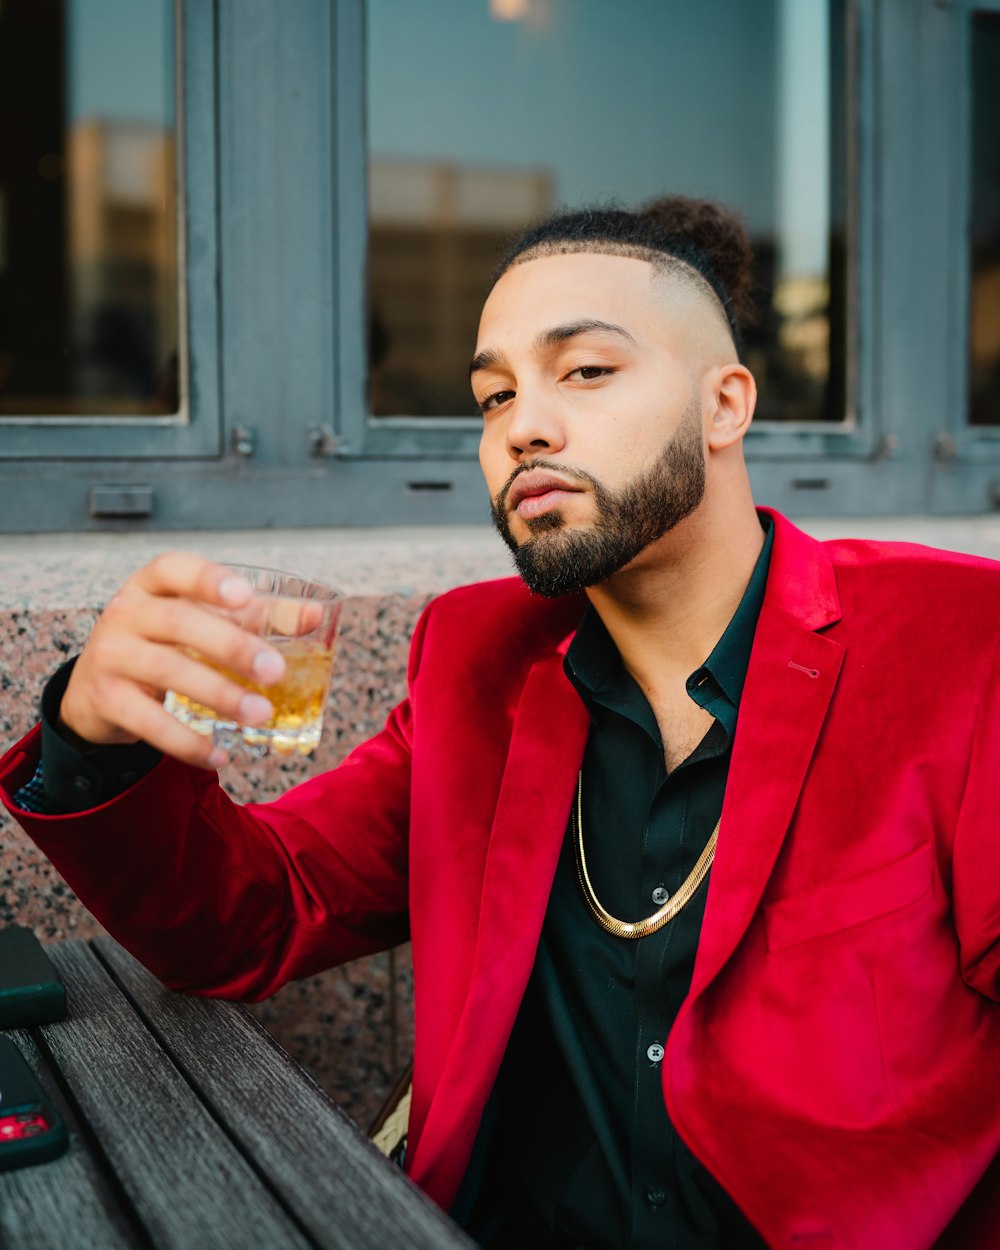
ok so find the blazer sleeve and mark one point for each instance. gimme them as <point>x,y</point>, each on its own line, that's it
<point>233,901</point>
<point>976,855</point>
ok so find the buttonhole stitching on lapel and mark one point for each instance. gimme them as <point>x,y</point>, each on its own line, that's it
<point>809,672</point>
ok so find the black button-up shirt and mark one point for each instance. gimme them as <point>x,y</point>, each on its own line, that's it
<point>576,1147</point>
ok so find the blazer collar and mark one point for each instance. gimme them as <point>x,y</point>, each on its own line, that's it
<point>801,582</point>
<point>792,675</point>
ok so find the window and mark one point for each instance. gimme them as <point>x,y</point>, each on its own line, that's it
<point>984,232</point>
<point>530,105</point>
<point>95,312</point>
<point>89,285</point>
<point>240,274</point>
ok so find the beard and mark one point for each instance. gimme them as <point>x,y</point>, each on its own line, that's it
<point>558,561</point>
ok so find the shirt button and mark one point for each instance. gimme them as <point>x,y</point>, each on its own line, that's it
<point>655,1197</point>
<point>655,1052</point>
<point>81,783</point>
<point>660,895</point>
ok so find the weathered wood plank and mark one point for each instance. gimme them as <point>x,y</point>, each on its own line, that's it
<point>186,1182</point>
<point>69,1202</point>
<point>342,1190</point>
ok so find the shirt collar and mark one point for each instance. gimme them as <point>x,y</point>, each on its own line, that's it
<point>595,668</point>
<point>730,659</point>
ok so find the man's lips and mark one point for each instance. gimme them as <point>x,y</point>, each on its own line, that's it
<point>535,493</point>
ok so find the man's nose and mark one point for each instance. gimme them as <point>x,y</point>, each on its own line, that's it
<point>534,428</point>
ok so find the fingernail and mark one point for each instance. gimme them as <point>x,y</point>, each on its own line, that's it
<point>255,709</point>
<point>235,590</point>
<point>268,665</point>
<point>218,758</point>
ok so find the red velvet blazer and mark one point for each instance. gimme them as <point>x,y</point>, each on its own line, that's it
<point>837,1062</point>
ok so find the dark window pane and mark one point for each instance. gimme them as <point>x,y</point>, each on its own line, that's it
<point>89,320</point>
<point>984,389</point>
<point>483,116</point>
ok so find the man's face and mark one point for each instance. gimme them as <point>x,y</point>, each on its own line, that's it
<point>592,443</point>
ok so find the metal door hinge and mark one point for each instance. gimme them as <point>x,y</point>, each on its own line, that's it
<point>323,441</point>
<point>244,440</point>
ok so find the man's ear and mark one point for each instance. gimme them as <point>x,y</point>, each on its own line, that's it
<point>733,399</point>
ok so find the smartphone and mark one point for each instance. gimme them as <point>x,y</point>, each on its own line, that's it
<point>31,991</point>
<point>31,1131</point>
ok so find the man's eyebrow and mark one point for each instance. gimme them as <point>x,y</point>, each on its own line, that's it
<point>560,334</point>
<point>490,358</point>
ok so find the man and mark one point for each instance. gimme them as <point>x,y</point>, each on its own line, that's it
<point>637,1024</point>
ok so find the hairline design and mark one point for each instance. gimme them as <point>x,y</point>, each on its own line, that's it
<point>665,263</point>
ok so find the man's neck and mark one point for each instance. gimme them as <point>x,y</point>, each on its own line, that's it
<point>668,609</point>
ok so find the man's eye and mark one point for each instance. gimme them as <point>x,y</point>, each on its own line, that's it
<point>588,372</point>
<point>494,400</point>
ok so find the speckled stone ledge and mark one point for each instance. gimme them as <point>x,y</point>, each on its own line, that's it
<point>351,1026</point>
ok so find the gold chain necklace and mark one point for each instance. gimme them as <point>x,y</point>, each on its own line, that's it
<point>640,928</point>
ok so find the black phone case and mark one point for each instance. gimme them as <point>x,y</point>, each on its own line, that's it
<point>31,1131</point>
<point>31,991</point>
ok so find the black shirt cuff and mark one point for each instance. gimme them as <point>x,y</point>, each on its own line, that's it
<point>76,779</point>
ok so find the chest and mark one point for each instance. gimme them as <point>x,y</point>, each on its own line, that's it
<point>682,724</point>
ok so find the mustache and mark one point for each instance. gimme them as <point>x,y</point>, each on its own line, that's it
<point>550,466</point>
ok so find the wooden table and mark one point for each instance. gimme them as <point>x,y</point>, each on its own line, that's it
<point>192,1129</point>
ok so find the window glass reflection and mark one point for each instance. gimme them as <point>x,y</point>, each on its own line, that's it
<point>499,111</point>
<point>89,320</point>
<point>984,390</point>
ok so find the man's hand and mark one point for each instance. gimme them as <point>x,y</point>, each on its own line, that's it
<point>115,693</point>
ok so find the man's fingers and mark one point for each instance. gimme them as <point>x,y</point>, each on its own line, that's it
<point>181,574</point>
<point>161,667</point>
<point>285,617</point>
<point>215,638</point>
<point>177,624</point>
<point>216,692</point>
<point>143,716</point>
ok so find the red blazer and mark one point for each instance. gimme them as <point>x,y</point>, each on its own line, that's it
<point>836,1064</point>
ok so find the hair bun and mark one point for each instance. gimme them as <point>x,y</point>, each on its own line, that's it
<point>715,232</point>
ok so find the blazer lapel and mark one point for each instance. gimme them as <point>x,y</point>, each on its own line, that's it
<point>546,750</point>
<point>790,681</point>
<point>789,685</point>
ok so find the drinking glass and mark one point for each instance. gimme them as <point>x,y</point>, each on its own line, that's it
<point>298,618</point>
